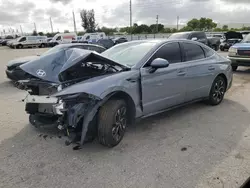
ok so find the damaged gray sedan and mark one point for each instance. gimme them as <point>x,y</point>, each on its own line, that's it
<point>135,80</point>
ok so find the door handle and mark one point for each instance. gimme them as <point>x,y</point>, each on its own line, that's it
<point>181,73</point>
<point>211,68</point>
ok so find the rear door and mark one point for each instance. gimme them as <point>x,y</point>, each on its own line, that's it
<point>165,87</point>
<point>200,70</point>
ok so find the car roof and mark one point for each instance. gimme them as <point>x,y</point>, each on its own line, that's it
<point>79,44</point>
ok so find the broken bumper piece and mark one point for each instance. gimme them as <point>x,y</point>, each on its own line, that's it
<point>58,106</point>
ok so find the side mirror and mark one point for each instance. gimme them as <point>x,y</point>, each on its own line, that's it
<point>194,39</point>
<point>158,63</point>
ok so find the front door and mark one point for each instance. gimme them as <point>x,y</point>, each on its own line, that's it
<point>165,87</point>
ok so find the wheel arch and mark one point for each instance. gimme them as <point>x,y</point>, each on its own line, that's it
<point>224,77</point>
<point>116,95</point>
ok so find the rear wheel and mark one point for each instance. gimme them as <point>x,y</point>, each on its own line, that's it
<point>42,45</point>
<point>112,122</point>
<point>234,67</point>
<point>217,91</point>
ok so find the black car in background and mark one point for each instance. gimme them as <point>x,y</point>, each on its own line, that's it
<point>14,72</point>
<point>231,38</point>
<point>199,36</point>
<point>106,43</point>
<point>4,41</point>
<point>226,44</point>
<point>120,40</point>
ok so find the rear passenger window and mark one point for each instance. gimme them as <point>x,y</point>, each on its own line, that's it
<point>208,52</point>
<point>170,52</point>
<point>193,51</point>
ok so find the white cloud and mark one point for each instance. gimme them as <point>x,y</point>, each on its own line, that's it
<point>112,13</point>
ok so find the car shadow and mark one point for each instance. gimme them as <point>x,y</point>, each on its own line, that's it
<point>187,141</point>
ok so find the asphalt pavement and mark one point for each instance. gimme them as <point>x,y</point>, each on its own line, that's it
<point>194,146</point>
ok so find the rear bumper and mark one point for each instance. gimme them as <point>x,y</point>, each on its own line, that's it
<point>240,61</point>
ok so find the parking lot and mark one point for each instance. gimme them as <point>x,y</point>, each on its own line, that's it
<point>195,146</point>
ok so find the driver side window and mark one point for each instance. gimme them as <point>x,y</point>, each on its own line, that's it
<point>170,52</point>
<point>58,38</point>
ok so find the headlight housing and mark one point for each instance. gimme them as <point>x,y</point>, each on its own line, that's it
<point>232,51</point>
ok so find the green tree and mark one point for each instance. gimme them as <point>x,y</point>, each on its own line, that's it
<point>40,33</point>
<point>186,28</point>
<point>203,24</point>
<point>107,31</point>
<point>194,24</point>
<point>217,29</point>
<point>80,33</point>
<point>66,31</point>
<point>225,27</point>
<point>88,20</point>
<point>167,30</point>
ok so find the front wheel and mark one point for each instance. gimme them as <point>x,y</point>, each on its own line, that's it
<point>234,67</point>
<point>112,122</point>
<point>19,46</point>
<point>217,91</point>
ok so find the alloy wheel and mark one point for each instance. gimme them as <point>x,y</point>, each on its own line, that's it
<point>120,123</point>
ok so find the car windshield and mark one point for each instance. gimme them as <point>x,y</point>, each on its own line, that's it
<point>129,53</point>
<point>53,50</point>
<point>246,39</point>
<point>179,36</point>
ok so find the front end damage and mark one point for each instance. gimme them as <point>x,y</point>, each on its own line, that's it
<point>79,119</point>
<point>72,110</point>
<point>43,109</point>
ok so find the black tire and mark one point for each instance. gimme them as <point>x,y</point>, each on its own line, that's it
<point>234,67</point>
<point>215,48</point>
<point>42,45</point>
<point>112,122</point>
<point>217,91</point>
<point>222,49</point>
<point>19,46</point>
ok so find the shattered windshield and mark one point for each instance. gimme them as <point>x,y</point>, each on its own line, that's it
<point>129,53</point>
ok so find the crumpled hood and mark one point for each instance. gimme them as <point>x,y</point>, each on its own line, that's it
<point>233,35</point>
<point>21,60</point>
<point>51,67</point>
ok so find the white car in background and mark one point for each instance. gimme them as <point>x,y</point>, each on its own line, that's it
<point>29,41</point>
<point>63,38</point>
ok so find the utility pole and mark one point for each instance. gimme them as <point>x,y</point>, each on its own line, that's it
<point>157,19</point>
<point>21,29</point>
<point>177,23</point>
<point>74,21</point>
<point>130,10</point>
<point>51,25</point>
<point>35,26</point>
